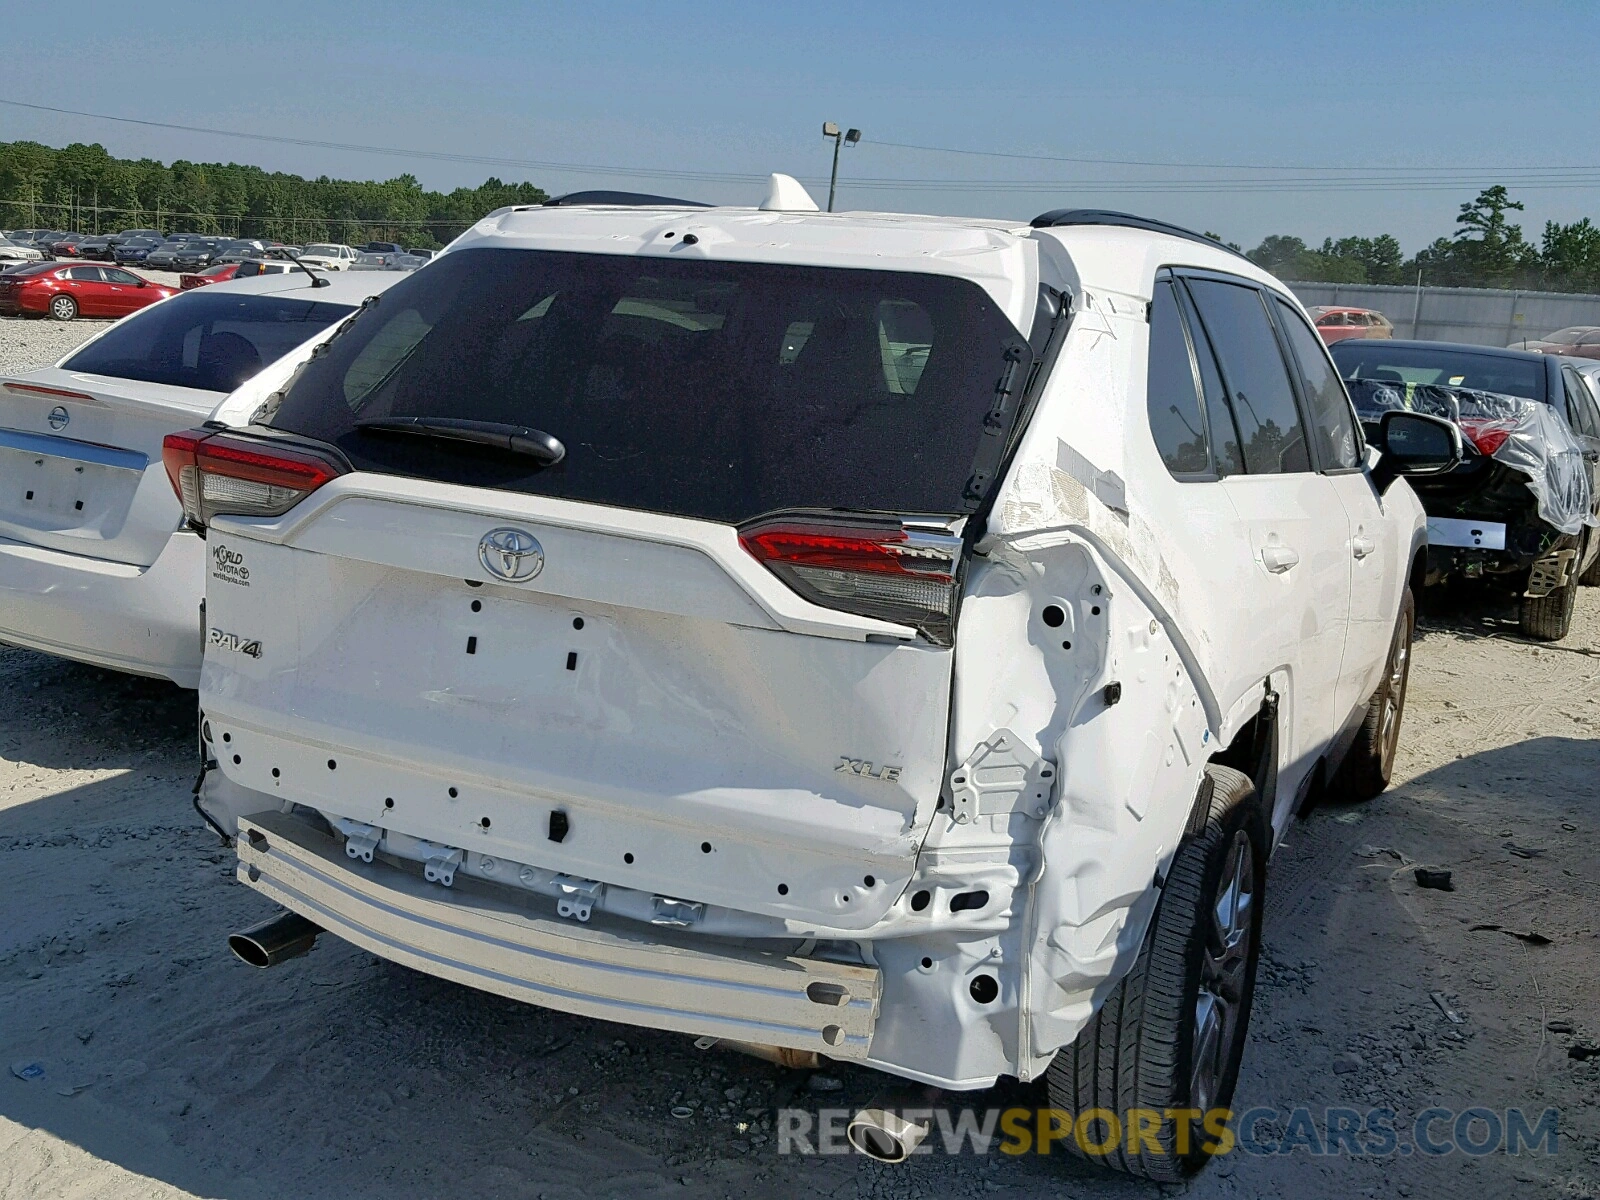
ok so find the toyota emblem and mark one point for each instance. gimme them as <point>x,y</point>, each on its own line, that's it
<point>511,554</point>
<point>58,418</point>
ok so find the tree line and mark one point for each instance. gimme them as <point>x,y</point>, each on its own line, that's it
<point>1486,250</point>
<point>84,188</point>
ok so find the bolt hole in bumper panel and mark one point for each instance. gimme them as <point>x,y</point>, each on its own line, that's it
<point>610,971</point>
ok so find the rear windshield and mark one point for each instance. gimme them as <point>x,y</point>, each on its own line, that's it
<point>205,340</point>
<point>1378,360</point>
<point>705,389</point>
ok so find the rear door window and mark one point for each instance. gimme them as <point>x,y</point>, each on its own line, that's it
<point>705,389</point>
<point>1579,404</point>
<point>1226,458</point>
<point>1253,371</point>
<point>1333,421</point>
<point>1172,391</point>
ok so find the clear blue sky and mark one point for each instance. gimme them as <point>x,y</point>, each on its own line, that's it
<point>742,89</point>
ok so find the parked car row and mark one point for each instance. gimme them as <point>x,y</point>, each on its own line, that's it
<point>862,727</point>
<point>179,251</point>
<point>35,285</point>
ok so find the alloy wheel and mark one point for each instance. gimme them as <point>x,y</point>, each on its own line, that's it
<point>1394,693</point>
<point>1224,971</point>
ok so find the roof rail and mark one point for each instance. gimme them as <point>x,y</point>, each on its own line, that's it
<point>621,199</point>
<point>1099,216</point>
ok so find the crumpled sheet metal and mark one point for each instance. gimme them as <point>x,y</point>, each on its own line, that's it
<point>1538,442</point>
<point>1085,485</point>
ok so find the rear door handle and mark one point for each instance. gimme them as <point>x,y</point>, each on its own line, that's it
<point>1361,545</point>
<point>1279,559</point>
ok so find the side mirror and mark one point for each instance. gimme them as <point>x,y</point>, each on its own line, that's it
<point>143,282</point>
<point>1413,443</point>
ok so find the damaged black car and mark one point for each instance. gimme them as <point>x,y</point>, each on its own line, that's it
<point>1523,506</point>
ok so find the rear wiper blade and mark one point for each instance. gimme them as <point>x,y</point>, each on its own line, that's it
<point>494,435</point>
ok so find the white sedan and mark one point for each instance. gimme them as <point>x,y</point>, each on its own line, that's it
<point>96,561</point>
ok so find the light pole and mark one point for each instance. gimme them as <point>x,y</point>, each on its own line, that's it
<point>848,138</point>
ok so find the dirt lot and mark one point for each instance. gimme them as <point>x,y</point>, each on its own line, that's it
<point>145,1061</point>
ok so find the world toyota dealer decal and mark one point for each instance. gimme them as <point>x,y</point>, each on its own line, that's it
<point>228,566</point>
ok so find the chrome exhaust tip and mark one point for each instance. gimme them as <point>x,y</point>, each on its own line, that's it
<point>285,936</point>
<point>883,1134</point>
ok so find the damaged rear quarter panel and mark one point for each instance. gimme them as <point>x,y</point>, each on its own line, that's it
<point>1095,573</point>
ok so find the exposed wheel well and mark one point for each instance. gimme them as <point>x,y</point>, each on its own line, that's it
<point>1417,577</point>
<point>1254,751</point>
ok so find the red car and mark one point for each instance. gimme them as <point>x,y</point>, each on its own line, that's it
<point>216,274</point>
<point>76,291</point>
<point>1339,324</point>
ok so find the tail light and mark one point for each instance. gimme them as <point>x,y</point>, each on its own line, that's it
<point>1488,434</point>
<point>874,569</point>
<point>217,474</point>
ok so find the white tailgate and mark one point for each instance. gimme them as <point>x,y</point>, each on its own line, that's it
<point>707,734</point>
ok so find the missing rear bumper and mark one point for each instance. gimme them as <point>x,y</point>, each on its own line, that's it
<point>605,969</point>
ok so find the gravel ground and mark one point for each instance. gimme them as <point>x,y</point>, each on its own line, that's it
<point>169,1069</point>
<point>29,342</point>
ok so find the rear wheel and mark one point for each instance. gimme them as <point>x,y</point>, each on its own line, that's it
<point>63,308</point>
<point>1171,1033</point>
<point>1548,618</point>
<point>1367,767</point>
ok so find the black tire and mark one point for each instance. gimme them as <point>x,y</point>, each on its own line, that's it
<point>1549,618</point>
<point>1367,766</point>
<point>63,308</point>
<point>1139,1051</point>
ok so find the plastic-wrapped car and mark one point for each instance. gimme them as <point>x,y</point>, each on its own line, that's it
<point>893,638</point>
<point>1522,504</point>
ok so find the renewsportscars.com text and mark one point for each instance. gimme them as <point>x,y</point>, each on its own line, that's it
<point>1473,1131</point>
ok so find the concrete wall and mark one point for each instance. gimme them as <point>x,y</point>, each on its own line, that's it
<point>1485,316</point>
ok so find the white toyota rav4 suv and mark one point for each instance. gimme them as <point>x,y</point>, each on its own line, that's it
<point>893,638</point>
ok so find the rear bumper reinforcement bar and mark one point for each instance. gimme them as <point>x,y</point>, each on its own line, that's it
<point>610,970</point>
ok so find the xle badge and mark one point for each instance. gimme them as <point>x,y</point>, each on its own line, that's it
<point>228,566</point>
<point>867,770</point>
<point>250,647</point>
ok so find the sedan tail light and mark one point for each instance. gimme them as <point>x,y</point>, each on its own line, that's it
<point>1488,434</point>
<point>216,474</point>
<point>873,568</point>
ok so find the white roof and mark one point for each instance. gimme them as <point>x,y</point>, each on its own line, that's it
<point>1119,259</point>
<point>997,255</point>
<point>1000,255</point>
